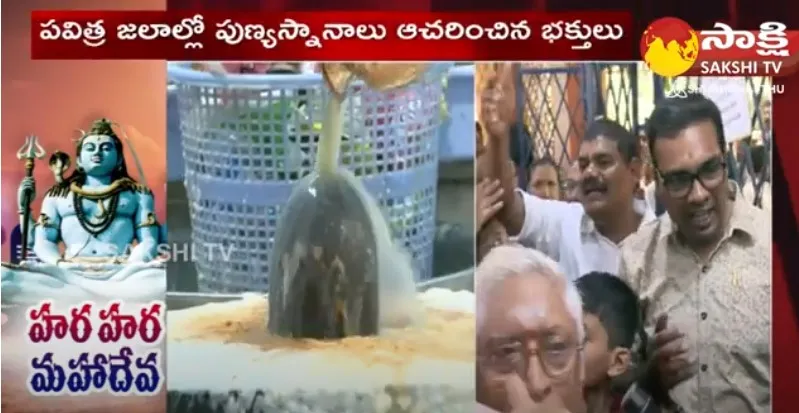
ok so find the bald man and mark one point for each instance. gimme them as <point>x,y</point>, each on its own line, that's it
<point>530,335</point>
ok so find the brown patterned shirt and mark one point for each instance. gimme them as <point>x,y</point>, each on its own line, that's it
<point>723,306</point>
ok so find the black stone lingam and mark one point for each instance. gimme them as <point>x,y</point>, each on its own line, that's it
<point>325,264</point>
<point>323,274</point>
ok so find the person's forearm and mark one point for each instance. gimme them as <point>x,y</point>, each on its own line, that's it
<point>500,157</point>
<point>512,214</point>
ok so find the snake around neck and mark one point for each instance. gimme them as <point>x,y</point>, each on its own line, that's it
<point>98,225</point>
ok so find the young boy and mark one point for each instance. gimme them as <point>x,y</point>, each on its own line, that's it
<point>612,317</point>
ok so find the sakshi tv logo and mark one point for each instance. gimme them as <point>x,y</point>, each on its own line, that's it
<point>671,47</point>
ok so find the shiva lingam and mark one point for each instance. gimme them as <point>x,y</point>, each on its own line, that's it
<point>334,267</point>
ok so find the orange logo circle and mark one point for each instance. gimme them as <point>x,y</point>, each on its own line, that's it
<point>669,46</point>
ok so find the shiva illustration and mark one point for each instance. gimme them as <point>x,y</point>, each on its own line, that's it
<point>101,218</point>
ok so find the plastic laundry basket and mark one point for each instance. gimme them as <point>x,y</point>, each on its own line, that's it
<point>248,138</point>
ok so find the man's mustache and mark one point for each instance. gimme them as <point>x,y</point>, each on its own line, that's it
<point>592,184</point>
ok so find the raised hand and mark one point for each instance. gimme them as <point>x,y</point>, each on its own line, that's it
<point>497,102</point>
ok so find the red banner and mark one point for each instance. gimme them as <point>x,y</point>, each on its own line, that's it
<point>352,36</point>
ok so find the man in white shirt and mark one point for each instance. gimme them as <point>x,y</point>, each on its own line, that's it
<point>583,237</point>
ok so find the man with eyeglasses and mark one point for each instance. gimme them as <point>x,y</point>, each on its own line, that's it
<point>704,268</point>
<point>530,335</point>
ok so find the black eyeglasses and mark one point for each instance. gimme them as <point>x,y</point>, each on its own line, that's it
<point>710,174</point>
<point>556,358</point>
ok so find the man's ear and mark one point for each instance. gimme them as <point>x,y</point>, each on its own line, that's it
<point>620,362</point>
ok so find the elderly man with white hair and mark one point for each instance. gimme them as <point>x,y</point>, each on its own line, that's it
<point>530,335</point>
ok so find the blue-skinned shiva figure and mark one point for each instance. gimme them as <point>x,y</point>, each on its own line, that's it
<point>103,221</point>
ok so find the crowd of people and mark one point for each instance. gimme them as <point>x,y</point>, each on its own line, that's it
<point>589,301</point>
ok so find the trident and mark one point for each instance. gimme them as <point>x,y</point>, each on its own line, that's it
<point>30,152</point>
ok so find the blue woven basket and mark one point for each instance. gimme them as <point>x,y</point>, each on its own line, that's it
<point>247,139</point>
